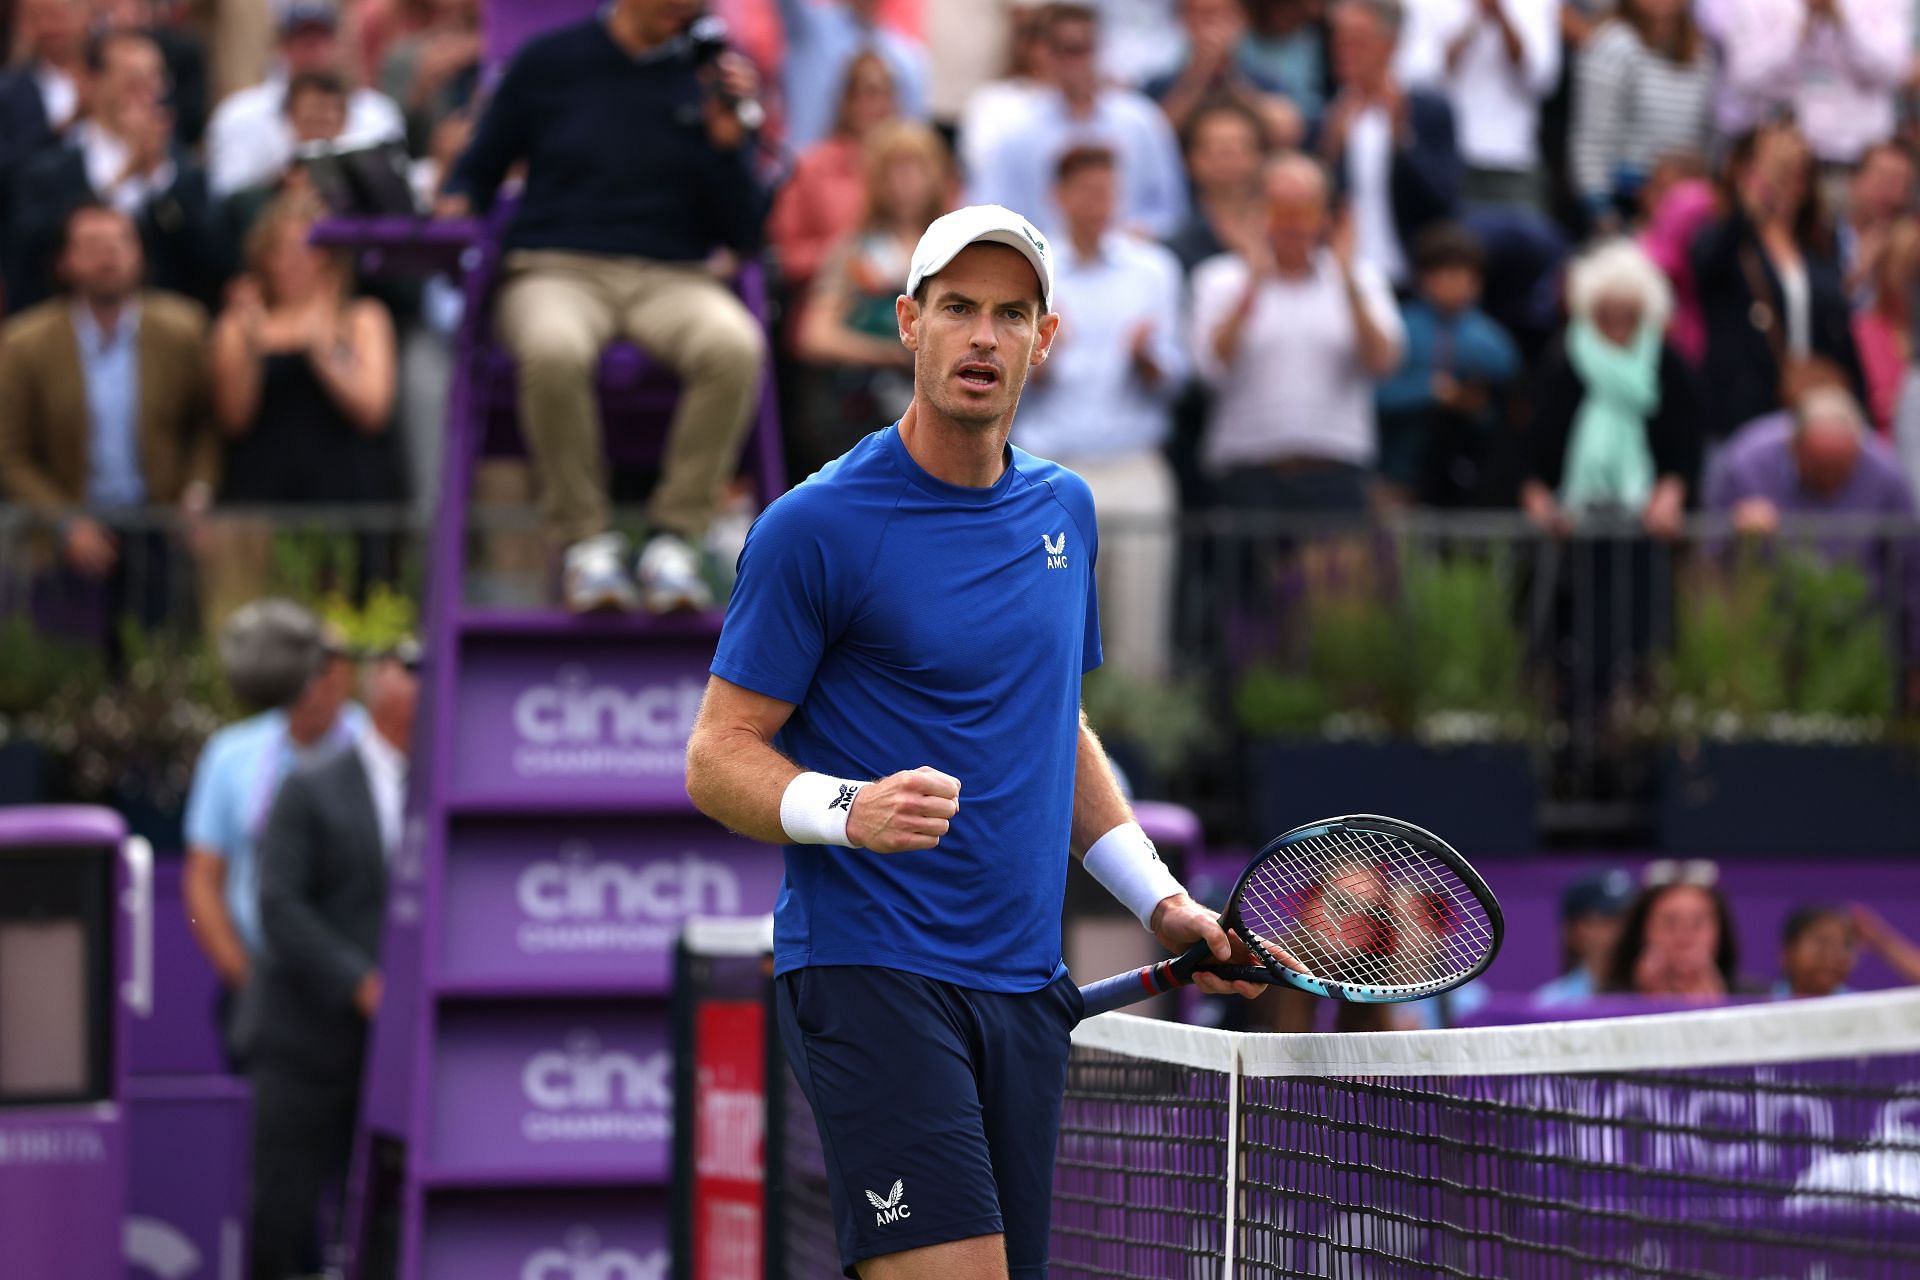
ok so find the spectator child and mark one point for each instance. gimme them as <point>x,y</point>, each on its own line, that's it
<point>1591,909</point>
<point>1819,947</point>
<point>1437,409</point>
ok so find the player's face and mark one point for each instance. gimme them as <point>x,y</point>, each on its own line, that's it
<point>979,333</point>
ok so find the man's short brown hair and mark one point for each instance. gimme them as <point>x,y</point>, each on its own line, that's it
<point>1075,159</point>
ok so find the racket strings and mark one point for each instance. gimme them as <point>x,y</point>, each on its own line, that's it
<point>1367,909</point>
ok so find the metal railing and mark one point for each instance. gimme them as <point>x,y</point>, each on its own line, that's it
<point>1437,626</point>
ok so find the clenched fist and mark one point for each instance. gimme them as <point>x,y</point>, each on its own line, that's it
<point>903,812</point>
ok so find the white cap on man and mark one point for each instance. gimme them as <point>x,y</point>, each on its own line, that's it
<point>981,224</point>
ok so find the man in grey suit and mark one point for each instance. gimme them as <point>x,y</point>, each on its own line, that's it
<point>303,1017</point>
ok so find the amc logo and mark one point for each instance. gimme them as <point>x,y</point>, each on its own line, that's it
<point>577,886</point>
<point>582,1258</point>
<point>585,1077</point>
<point>574,711</point>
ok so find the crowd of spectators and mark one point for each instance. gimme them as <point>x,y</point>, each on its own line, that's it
<point>1320,256</point>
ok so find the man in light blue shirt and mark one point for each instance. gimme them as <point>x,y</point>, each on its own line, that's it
<point>823,36</point>
<point>110,364</point>
<point>1103,403</point>
<point>1018,169</point>
<point>277,654</point>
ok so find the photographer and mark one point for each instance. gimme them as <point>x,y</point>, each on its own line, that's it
<point>639,168</point>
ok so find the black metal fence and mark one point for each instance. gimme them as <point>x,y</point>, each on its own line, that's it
<point>1581,653</point>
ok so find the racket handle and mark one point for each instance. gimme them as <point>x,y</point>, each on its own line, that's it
<point>1145,982</point>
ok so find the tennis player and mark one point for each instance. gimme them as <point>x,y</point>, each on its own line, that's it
<point>896,698</point>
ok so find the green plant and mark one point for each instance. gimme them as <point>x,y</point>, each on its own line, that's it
<point>1465,651</point>
<point>34,667</point>
<point>1436,654</point>
<point>138,731</point>
<point>1166,721</point>
<point>385,617</point>
<point>1779,646</point>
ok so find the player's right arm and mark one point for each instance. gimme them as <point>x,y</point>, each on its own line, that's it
<point>203,890</point>
<point>738,778</point>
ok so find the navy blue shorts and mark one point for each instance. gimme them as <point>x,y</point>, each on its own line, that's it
<point>938,1106</point>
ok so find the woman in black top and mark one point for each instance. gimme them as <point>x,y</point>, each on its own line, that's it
<point>303,375</point>
<point>1769,282</point>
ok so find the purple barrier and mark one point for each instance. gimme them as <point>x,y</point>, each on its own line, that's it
<point>1760,892</point>
<point>176,1036</point>
<point>62,1190</point>
<point>569,904</point>
<point>75,904</point>
<point>548,1236</point>
<point>187,1205</point>
<point>612,715</point>
<point>563,1091</point>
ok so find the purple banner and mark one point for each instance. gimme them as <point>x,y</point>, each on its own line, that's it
<point>62,1191</point>
<point>192,1227</point>
<point>177,1036</point>
<point>569,1088</point>
<point>591,901</point>
<point>547,1236</point>
<point>609,723</point>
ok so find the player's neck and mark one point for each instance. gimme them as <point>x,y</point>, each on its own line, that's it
<point>972,457</point>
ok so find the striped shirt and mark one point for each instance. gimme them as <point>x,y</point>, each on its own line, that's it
<point>1631,106</point>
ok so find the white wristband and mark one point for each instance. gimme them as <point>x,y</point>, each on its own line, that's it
<point>1127,865</point>
<point>814,809</point>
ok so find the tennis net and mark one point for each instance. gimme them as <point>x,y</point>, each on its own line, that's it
<point>1768,1142</point>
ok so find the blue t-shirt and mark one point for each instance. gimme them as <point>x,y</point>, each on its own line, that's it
<point>915,622</point>
<point>238,774</point>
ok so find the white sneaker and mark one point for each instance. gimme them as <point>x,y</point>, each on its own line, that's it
<point>670,579</point>
<point>595,577</point>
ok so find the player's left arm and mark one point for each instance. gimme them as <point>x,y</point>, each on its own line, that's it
<point>1119,855</point>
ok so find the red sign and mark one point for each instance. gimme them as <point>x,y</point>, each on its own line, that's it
<point>729,1140</point>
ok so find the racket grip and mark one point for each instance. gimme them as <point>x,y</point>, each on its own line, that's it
<point>1143,983</point>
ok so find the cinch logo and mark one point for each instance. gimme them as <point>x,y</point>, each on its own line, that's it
<point>579,902</point>
<point>574,727</point>
<point>584,1093</point>
<point>893,1208</point>
<point>582,1258</point>
<point>1056,549</point>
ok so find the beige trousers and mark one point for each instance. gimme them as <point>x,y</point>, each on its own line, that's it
<point>1136,500</point>
<point>558,311</point>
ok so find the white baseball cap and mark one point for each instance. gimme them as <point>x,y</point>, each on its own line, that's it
<point>981,224</point>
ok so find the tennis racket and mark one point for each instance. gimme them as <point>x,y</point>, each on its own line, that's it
<point>1372,910</point>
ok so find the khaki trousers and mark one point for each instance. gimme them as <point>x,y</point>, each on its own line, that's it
<point>558,311</point>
